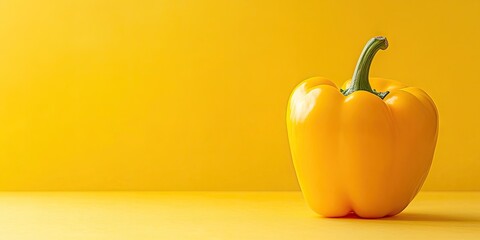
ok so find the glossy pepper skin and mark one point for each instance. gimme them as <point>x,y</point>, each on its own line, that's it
<point>361,150</point>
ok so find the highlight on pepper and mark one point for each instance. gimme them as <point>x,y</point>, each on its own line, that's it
<point>364,149</point>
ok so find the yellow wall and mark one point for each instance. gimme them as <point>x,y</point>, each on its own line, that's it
<point>177,95</point>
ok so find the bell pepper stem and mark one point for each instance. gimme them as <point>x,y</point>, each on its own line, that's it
<point>360,75</point>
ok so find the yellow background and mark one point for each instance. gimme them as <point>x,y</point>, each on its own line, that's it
<point>191,95</point>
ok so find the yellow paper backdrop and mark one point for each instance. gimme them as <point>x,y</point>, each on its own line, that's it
<point>191,95</point>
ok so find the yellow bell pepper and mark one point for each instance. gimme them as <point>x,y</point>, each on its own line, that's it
<point>361,150</point>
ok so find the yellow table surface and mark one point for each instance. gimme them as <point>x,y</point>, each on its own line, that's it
<point>223,215</point>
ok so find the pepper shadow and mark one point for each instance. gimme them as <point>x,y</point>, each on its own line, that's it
<point>416,217</point>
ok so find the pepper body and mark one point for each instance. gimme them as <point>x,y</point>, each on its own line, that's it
<point>360,153</point>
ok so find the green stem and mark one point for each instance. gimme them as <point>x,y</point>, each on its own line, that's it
<point>360,75</point>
